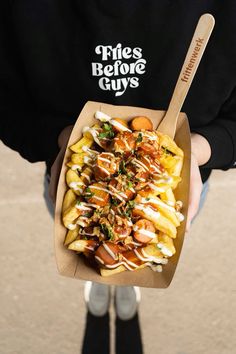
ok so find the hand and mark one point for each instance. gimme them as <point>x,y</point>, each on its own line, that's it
<point>195,190</point>
<point>201,153</point>
<point>56,167</point>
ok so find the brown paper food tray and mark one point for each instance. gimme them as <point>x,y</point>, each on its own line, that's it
<point>72,265</point>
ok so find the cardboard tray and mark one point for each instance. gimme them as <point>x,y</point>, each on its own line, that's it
<point>71,264</point>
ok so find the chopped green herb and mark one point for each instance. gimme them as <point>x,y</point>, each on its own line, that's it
<point>88,192</point>
<point>139,138</point>
<point>147,199</point>
<point>127,213</point>
<point>108,133</point>
<point>129,207</point>
<point>131,204</point>
<point>87,215</point>
<point>78,202</point>
<point>107,231</point>
<point>102,135</point>
<point>98,212</point>
<point>114,202</point>
<point>107,127</point>
<point>130,184</point>
<point>122,168</point>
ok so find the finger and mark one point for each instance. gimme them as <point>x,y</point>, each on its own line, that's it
<point>194,201</point>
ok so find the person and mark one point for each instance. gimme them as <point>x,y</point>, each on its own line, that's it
<point>56,55</point>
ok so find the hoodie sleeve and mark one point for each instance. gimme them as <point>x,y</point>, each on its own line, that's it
<point>221,135</point>
<point>23,127</point>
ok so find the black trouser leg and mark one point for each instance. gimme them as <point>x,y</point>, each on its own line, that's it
<point>128,336</point>
<point>96,335</point>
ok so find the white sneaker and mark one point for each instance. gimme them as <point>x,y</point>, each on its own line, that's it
<point>97,298</point>
<point>127,299</point>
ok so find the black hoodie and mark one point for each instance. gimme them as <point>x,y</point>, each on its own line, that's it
<point>55,55</point>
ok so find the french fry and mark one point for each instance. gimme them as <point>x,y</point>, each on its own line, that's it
<point>168,197</point>
<point>78,158</point>
<point>75,167</point>
<point>153,251</point>
<point>161,222</point>
<point>88,135</point>
<point>166,210</point>
<point>176,169</point>
<point>78,245</point>
<point>86,175</point>
<point>166,245</point>
<point>167,143</point>
<point>71,236</point>
<point>74,182</point>
<point>107,272</point>
<point>168,161</point>
<point>83,245</point>
<point>85,141</point>
<point>154,190</point>
<point>70,215</point>
<point>154,240</point>
<point>69,199</point>
<point>175,181</point>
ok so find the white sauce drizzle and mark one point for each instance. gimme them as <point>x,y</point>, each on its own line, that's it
<point>169,202</point>
<point>103,159</point>
<point>98,198</point>
<point>104,170</point>
<point>180,216</point>
<point>86,176</point>
<point>146,233</point>
<point>112,266</point>
<point>92,205</point>
<point>76,167</point>
<point>99,188</point>
<point>148,211</point>
<point>164,250</point>
<point>82,206</point>
<point>142,179</point>
<point>126,144</point>
<point>74,186</point>
<point>71,226</point>
<point>132,264</point>
<point>81,223</point>
<point>121,194</point>
<point>109,153</point>
<point>89,151</point>
<point>155,168</point>
<point>100,260</point>
<point>140,164</point>
<point>119,126</point>
<point>157,202</point>
<point>94,134</point>
<point>154,259</point>
<point>109,251</point>
<point>155,188</point>
<point>102,116</point>
<point>87,159</point>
